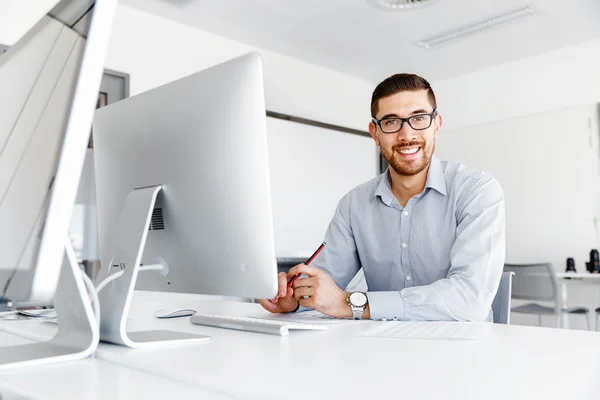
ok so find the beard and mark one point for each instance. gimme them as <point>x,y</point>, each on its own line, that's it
<point>409,167</point>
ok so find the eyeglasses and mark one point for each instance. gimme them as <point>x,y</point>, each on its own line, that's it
<point>417,122</point>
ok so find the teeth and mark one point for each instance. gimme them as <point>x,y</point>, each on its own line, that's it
<point>410,151</point>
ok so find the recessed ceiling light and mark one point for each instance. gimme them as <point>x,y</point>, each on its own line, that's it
<point>398,5</point>
<point>481,26</point>
<point>179,3</point>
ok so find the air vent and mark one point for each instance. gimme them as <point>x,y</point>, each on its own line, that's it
<point>157,223</point>
<point>485,25</point>
<point>398,5</point>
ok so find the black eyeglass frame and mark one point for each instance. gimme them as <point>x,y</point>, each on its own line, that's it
<point>403,120</point>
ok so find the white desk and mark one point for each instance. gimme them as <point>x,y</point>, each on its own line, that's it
<point>569,277</point>
<point>507,362</point>
<point>91,379</point>
<point>579,276</point>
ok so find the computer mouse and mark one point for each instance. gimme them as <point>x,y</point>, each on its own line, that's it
<point>174,313</point>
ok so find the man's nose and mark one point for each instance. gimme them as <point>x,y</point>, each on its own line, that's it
<point>406,132</point>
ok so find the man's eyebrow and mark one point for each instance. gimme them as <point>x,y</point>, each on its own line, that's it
<point>419,111</point>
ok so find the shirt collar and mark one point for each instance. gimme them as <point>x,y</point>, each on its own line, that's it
<point>435,180</point>
<point>435,176</point>
<point>384,188</point>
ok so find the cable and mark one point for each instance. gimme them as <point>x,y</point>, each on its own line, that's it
<point>112,277</point>
<point>93,293</point>
<point>95,290</point>
<point>108,280</point>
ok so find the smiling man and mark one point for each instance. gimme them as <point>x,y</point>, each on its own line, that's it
<point>428,234</point>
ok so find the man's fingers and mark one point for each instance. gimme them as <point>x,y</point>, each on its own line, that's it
<point>267,305</point>
<point>290,292</point>
<point>303,282</point>
<point>285,304</point>
<point>282,279</point>
<point>307,302</point>
<point>303,269</point>
<point>300,292</point>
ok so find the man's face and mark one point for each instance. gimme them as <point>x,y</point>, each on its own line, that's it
<point>407,151</point>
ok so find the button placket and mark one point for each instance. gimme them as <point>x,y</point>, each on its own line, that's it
<point>406,224</point>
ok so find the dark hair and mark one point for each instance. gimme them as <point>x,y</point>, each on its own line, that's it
<point>400,83</point>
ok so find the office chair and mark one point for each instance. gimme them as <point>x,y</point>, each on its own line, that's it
<point>501,303</point>
<point>539,282</point>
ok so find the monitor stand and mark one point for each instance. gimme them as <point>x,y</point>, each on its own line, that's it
<point>115,299</point>
<point>77,335</point>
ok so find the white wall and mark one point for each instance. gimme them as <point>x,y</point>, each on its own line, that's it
<point>555,80</point>
<point>155,51</point>
<point>299,156</point>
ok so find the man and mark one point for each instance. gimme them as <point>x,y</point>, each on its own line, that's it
<point>428,234</point>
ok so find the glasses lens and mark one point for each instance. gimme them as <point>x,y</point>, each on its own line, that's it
<point>420,121</point>
<point>391,125</point>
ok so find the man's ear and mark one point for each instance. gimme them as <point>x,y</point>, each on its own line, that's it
<point>438,123</point>
<point>373,132</point>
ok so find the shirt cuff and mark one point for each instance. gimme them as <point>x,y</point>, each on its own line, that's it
<point>386,305</point>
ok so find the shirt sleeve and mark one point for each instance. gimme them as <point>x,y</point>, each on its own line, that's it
<point>476,264</point>
<point>339,258</point>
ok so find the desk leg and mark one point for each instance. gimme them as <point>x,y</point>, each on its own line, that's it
<point>564,318</point>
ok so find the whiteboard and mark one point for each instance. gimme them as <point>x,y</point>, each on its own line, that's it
<point>312,168</point>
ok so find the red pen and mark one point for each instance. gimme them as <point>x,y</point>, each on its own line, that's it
<point>289,284</point>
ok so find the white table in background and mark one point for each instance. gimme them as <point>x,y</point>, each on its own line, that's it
<point>574,277</point>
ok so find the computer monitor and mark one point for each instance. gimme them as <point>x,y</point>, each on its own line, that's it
<point>201,139</point>
<point>49,83</point>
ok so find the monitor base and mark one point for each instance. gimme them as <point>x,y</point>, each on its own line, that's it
<point>115,300</point>
<point>77,335</point>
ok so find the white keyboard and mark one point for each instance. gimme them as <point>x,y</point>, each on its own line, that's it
<point>424,330</point>
<point>250,324</point>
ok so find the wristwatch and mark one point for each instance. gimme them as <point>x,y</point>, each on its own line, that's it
<point>358,302</point>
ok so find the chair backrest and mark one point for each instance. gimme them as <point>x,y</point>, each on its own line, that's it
<point>501,303</point>
<point>534,281</point>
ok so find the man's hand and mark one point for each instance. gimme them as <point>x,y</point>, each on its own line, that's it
<point>320,292</point>
<point>284,301</point>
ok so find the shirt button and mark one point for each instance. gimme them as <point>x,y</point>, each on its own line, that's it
<point>404,245</point>
<point>408,278</point>
<point>405,212</point>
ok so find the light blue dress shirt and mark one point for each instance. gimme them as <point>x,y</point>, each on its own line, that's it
<point>438,258</point>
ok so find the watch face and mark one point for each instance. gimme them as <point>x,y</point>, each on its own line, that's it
<point>358,299</point>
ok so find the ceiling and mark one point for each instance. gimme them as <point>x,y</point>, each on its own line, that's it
<point>352,37</point>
